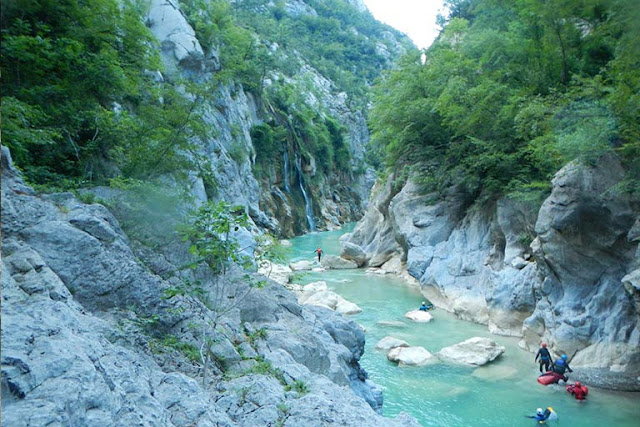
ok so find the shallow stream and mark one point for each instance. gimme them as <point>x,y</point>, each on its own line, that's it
<point>499,394</point>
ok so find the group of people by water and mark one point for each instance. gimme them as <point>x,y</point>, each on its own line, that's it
<point>553,372</point>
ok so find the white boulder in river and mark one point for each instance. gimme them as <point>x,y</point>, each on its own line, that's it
<point>387,343</point>
<point>419,316</point>
<point>317,294</point>
<point>475,351</point>
<point>333,262</point>
<point>411,356</point>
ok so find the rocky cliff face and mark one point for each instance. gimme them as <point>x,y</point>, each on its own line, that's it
<point>90,337</point>
<point>566,274</point>
<point>292,198</point>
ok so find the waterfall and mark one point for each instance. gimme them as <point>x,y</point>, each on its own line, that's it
<point>285,174</point>
<point>307,201</point>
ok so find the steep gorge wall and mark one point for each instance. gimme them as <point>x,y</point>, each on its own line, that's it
<point>275,202</point>
<point>91,337</point>
<point>566,274</point>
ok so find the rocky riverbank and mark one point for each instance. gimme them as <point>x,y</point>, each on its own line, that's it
<point>92,335</point>
<point>565,272</point>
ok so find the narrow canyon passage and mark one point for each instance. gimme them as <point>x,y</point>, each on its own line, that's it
<point>498,394</point>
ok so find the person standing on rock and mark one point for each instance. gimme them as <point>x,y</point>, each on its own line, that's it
<point>319,252</point>
<point>545,358</point>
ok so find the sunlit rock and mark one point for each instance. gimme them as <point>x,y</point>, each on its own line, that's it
<point>388,342</point>
<point>475,351</point>
<point>419,316</point>
<point>411,356</point>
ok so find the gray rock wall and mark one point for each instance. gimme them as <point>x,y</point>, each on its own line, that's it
<point>89,336</point>
<point>228,154</point>
<point>565,273</point>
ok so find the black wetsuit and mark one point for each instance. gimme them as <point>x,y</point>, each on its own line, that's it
<point>560,366</point>
<point>545,359</point>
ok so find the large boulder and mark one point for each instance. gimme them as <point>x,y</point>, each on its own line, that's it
<point>347,307</point>
<point>411,356</point>
<point>389,342</point>
<point>278,272</point>
<point>419,316</point>
<point>475,351</point>
<point>353,252</point>
<point>333,262</point>
<point>317,294</point>
<point>374,232</point>
<point>301,265</point>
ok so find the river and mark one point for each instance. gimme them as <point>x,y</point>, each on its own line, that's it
<point>499,394</point>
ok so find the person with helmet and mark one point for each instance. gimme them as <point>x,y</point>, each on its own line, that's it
<point>541,415</point>
<point>545,358</point>
<point>578,390</point>
<point>560,366</point>
<point>425,306</point>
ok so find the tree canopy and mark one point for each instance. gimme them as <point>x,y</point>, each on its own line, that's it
<point>511,91</point>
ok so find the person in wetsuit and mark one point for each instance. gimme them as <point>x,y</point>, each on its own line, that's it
<point>319,252</point>
<point>545,358</point>
<point>541,415</point>
<point>579,392</point>
<point>425,306</point>
<point>560,366</point>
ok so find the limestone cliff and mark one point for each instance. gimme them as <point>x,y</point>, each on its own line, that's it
<point>290,194</point>
<point>92,335</point>
<point>565,273</point>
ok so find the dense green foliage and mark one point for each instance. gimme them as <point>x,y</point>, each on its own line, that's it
<point>82,102</point>
<point>77,103</point>
<point>339,41</point>
<point>511,91</point>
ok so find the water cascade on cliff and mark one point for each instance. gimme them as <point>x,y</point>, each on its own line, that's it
<point>285,173</point>
<point>307,199</point>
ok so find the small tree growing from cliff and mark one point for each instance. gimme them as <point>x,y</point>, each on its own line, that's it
<point>211,234</point>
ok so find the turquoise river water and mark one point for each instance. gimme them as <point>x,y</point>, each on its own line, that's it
<point>499,394</point>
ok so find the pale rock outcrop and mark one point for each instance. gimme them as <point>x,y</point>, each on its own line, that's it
<point>393,266</point>
<point>374,234</point>
<point>301,265</point>
<point>476,351</point>
<point>330,300</point>
<point>333,262</point>
<point>353,252</point>
<point>389,342</point>
<point>565,273</point>
<point>310,289</point>
<point>347,307</point>
<point>411,356</point>
<point>419,316</point>
<point>77,302</point>
<point>177,38</point>
<point>277,272</point>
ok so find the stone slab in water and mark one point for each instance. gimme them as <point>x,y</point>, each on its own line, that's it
<point>388,342</point>
<point>475,351</point>
<point>419,316</point>
<point>411,356</point>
